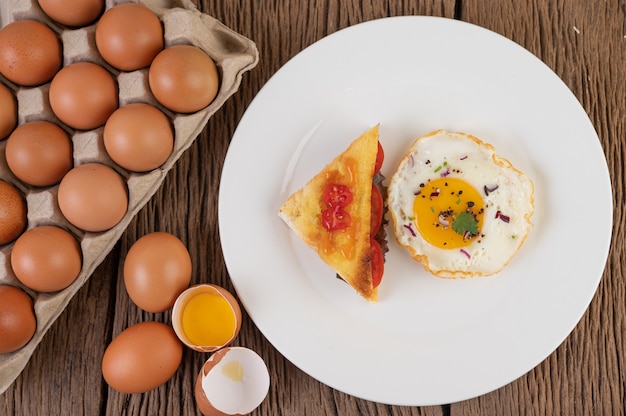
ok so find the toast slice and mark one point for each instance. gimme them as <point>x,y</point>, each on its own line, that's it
<point>345,250</point>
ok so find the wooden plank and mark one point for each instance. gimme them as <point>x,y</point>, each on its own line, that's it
<point>63,375</point>
<point>584,43</point>
<point>281,29</point>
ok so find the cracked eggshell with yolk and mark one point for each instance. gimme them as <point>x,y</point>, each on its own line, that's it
<point>206,317</point>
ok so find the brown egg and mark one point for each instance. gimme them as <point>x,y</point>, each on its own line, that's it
<point>142,357</point>
<point>46,258</point>
<point>129,36</point>
<point>13,217</point>
<point>39,153</point>
<point>83,95</point>
<point>17,319</point>
<point>8,115</point>
<point>183,78</point>
<point>138,137</point>
<point>156,270</point>
<point>72,12</point>
<point>30,52</point>
<point>93,197</point>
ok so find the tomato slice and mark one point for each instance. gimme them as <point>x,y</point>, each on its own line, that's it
<point>335,218</point>
<point>377,262</point>
<point>337,195</point>
<point>380,157</point>
<point>377,211</point>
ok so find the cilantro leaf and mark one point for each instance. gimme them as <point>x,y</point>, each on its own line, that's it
<point>465,222</point>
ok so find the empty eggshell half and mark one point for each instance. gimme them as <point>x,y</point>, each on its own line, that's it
<point>206,317</point>
<point>234,381</point>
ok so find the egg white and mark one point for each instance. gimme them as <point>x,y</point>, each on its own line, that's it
<point>468,158</point>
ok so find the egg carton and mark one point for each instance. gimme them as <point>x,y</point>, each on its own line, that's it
<point>183,24</point>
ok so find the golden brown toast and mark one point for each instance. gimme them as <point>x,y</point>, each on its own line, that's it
<point>347,250</point>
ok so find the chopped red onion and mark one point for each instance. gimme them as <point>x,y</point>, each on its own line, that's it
<point>503,217</point>
<point>409,227</point>
<point>443,221</point>
<point>489,188</point>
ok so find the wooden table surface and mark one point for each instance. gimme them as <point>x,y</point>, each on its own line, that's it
<point>584,42</point>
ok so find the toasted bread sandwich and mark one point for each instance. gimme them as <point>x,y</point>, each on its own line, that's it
<point>339,213</point>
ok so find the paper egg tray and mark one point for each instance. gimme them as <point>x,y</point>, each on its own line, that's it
<point>183,24</point>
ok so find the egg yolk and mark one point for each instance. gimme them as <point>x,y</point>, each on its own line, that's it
<point>208,320</point>
<point>448,212</point>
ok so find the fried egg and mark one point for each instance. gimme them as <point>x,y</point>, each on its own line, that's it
<point>459,209</point>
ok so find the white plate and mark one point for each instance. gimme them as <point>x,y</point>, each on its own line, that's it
<point>428,340</point>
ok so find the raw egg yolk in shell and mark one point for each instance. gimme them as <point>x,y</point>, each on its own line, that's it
<point>215,331</point>
<point>448,212</point>
<point>206,317</point>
